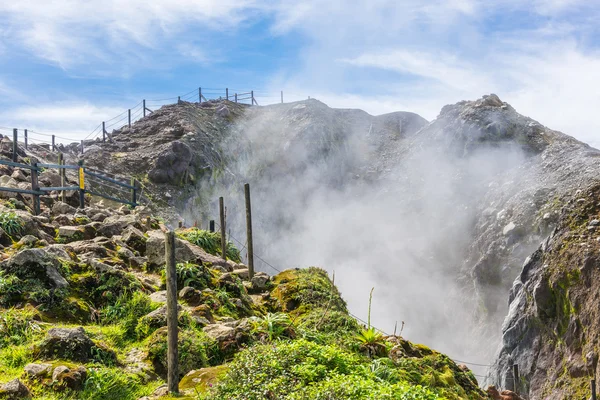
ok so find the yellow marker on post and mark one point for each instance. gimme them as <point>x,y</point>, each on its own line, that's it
<point>81,187</point>
<point>81,179</point>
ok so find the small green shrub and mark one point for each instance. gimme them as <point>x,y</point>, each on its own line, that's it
<point>196,276</point>
<point>11,223</point>
<point>18,326</point>
<point>127,310</point>
<point>111,384</point>
<point>272,326</point>
<point>372,342</point>
<point>195,350</point>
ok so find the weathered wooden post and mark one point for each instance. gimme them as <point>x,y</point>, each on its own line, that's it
<point>103,131</point>
<point>282,97</point>
<point>227,93</point>
<point>82,147</point>
<point>594,389</point>
<point>249,231</point>
<point>178,99</point>
<point>129,117</point>
<point>211,225</point>
<point>199,95</point>
<point>53,143</point>
<point>63,177</point>
<point>516,378</point>
<point>133,192</point>
<point>223,238</point>
<point>252,101</point>
<point>35,187</point>
<point>144,107</point>
<point>15,144</point>
<point>25,132</point>
<point>81,185</point>
<point>172,351</point>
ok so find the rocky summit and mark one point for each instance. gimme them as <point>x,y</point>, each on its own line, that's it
<point>479,229</point>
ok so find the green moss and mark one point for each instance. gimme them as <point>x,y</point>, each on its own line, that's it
<point>201,380</point>
<point>299,291</point>
<point>82,220</point>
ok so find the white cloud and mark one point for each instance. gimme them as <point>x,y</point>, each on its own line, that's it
<point>69,33</point>
<point>70,121</point>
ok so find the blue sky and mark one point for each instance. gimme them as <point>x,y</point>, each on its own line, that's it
<point>66,65</point>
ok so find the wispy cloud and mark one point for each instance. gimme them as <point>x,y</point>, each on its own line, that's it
<point>69,33</point>
<point>50,119</point>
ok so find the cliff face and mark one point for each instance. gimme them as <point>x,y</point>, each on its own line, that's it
<point>440,216</point>
<point>551,331</point>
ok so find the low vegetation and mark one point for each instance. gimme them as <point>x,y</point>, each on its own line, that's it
<point>285,337</point>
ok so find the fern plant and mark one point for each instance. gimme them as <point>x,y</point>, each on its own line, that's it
<point>11,223</point>
<point>272,325</point>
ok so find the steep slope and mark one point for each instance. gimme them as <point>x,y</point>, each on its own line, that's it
<point>551,331</point>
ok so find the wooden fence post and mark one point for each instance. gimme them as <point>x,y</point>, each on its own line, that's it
<point>144,107</point>
<point>249,231</point>
<point>63,178</point>
<point>282,97</point>
<point>15,144</point>
<point>199,95</point>
<point>178,99</point>
<point>53,143</point>
<point>594,389</point>
<point>35,187</point>
<point>81,186</point>
<point>25,132</point>
<point>172,351</point>
<point>227,93</point>
<point>516,378</point>
<point>211,225</point>
<point>103,131</point>
<point>252,101</point>
<point>133,192</point>
<point>236,97</point>
<point>223,238</point>
<point>129,117</point>
<point>82,147</point>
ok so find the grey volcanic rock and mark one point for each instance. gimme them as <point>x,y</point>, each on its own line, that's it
<point>38,263</point>
<point>71,344</point>
<point>172,164</point>
<point>552,330</point>
<point>14,390</point>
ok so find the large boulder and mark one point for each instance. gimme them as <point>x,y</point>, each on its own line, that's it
<point>36,263</point>
<point>38,371</point>
<point>116,224</point>
<point>135,239</point>
<point>172,164</point>
<point>72,344</point>
<point>62,208</point>
<point>65,377</point>
<point>14,390</point>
